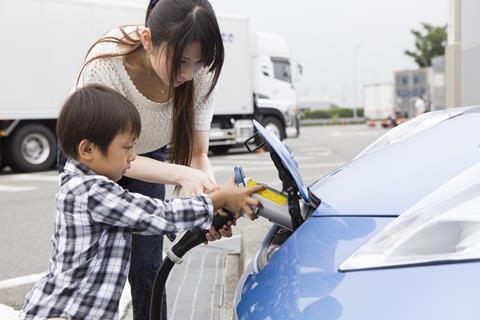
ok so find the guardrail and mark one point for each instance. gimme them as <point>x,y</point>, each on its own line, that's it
<point>313,122</point>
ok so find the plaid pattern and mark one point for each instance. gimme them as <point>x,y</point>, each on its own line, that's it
<point>91,243</point>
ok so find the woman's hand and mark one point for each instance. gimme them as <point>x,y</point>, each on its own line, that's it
<point>195,182</point>
<point>238,200</point>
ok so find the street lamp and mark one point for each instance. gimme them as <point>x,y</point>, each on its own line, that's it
<point>355,60</point>
<point>344,95</point>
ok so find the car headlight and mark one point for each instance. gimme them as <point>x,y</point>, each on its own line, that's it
<point>444,227</point>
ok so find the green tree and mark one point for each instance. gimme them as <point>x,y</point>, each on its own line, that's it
<point>429,42</point>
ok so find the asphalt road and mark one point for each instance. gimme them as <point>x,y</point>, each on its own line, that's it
<point>27,201</point>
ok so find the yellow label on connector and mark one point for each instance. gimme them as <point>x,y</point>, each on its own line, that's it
<point>269,194</point>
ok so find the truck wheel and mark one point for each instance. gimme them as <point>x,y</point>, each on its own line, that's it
<point>32,147</point>
<point>275,127</point>
<point>219,149</point>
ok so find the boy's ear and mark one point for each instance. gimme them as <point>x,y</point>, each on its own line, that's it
<point>85,149</point>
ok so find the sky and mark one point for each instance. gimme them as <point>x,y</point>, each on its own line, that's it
<point>336,39</point>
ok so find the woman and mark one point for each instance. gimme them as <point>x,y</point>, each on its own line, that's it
<point>168,69</point>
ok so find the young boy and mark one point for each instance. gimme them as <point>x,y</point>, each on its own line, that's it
<point>95,217</point>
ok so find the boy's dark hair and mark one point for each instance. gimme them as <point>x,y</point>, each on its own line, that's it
<point>96,113</point>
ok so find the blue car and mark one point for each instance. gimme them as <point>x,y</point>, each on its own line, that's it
<point>393,234</point>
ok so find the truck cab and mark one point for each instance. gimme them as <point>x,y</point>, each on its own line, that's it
<point>255,83</point>
<point>276,98</point>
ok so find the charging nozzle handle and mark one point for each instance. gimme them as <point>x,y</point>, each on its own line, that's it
<point>219,221</point>
<point>190,240</point>
<point>195,237</point>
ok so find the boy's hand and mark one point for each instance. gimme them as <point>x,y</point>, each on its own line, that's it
<point>251,202</point>
<point>225,231</point>
<point>236,199</point>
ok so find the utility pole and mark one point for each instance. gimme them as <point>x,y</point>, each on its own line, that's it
<point>344,96</point>
<point>453,56</point>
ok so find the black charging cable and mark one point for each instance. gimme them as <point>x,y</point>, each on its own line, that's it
<point>190,240</point>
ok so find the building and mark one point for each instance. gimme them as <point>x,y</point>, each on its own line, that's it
<point>463,54</point>
<point>427,83</point>
<point>409,85</point>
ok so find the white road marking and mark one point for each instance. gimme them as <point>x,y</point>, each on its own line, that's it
<point>317,151</point>
<point>9,188</point>
<point>244,162</point>
<point>268,161</point>
<point>20,281</point>
<point>236,158</point>
<point>322,165</point>
<point>270,167</point>
<point>8,313</point>
<point>33,177</point>
<point>353,134</point>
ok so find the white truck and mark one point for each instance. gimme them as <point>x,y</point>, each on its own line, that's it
<point>47,41</point>
<point>379,101</point>
<point>379,105</point>
<point>255,83</point>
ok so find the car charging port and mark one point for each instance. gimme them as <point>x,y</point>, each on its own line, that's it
<point>272,242</point>
<point>289,187</point>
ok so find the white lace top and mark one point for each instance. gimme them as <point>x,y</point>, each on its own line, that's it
<point>157,125</point>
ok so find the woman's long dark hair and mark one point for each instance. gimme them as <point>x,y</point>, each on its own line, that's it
<point>178,23</point>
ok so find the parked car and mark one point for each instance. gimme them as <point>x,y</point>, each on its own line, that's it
<point>392,234</point>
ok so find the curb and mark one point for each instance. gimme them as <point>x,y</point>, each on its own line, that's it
<point>231,277</point>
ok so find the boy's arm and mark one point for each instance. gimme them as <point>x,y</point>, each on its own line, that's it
<point>110,204</point>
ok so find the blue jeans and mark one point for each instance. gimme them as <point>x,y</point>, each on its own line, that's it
<point>146,255</point>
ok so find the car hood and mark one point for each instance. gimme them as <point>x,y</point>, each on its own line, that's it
<point>390,179</point>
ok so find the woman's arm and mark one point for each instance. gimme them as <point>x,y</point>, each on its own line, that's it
<point>193,181</point>
<point>201,162</point>
<point>200,159</point>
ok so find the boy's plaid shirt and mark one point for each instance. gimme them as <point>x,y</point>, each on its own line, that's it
<point>91,243</point>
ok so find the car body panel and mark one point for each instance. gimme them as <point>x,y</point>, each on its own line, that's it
<point>302,280</point>
<point>390,179</point>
